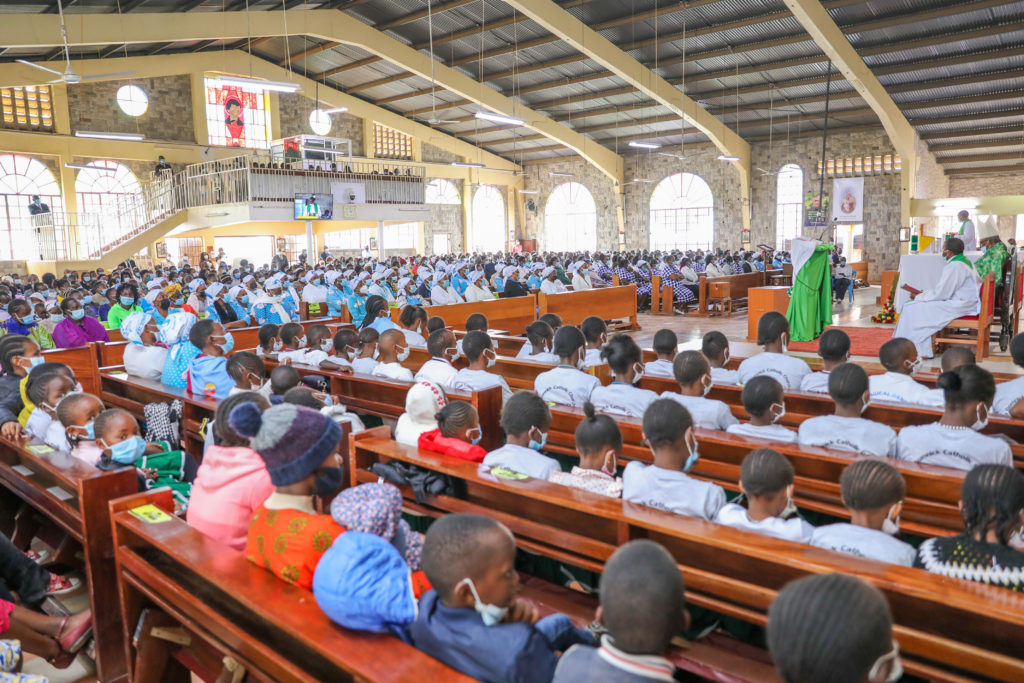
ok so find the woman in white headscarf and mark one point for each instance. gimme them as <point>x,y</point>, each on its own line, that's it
<point>474,291</point>
<point>174,333</point>
<point>580,278</point>
<point>442,293</point>
<point>198,299</point>
<point>145,356</point>
<point>268,308</point>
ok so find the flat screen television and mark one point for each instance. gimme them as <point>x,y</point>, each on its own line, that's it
<point>314,207</point>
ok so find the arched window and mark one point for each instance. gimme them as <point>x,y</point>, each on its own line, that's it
<point>106,187</point>
<point>20,178</point>
<point>682,213</point>
<point>489,231</point>
<point>570,219</point>
<point>789,205</point>
<point>441,191</point>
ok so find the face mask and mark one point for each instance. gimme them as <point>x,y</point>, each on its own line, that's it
<point>707,387</point>
<point>891,526</point>
<point>90,430</point>
<point>913,365</point>
<point>402,355</point>
<point>128,451</point>
<point>607,468</point>
<point>863,408</point>
<point>638,369</point>
<point>981,422</point>
<point>86,279</point>
<point>317,281</point>
<point>34,361</point>
<point>326,346</point>
<point>301,342</point>
<point>725,357</point>
<point>492,358</point>
<point>229,343</point>
<point>56,317</point>
<point>328,481</point>
<point>451,353</point>
<point>479,435</point>
<point>278,345</point>
<point>897,665</point>
<point>376,353</point>
<point>693,457</point>
<point>785,343</point>
<point>28,319</point>
<point>491,614</point>
<point>581,363</point>
<point>790,508</point>
<point>126,301</point>
<point>244,299</point>
<point>539,445</point>
<point>782,411</point>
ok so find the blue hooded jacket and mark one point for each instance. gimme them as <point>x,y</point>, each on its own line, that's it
<point>363,583</point>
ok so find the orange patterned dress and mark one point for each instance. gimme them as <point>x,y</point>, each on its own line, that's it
<point>289,542</point>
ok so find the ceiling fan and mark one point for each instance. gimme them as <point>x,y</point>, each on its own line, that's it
<point>433,120</point>
<point>69,76</point>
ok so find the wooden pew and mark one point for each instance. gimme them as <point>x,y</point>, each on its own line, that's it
<point>513,314</point>
<point>385,398</point>
<point>210,596</point>
<point>738,286</point>
<point>82,361</point>
<point>932,492</point>
<point>948,630</point>
<point>662,297</point>
<point>73,495</point>
<point>617,304</point>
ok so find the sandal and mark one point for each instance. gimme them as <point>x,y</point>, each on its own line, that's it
<point>75,639</point>
<point>60,585</point>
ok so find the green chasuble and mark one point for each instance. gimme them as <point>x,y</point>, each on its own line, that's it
<point>810,303</point>
<point>992,261</point>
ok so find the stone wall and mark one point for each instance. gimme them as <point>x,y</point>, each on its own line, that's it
<point>93,106</point>
<point>293,112</point>
<point>433,154</point>
<point>600,186</point>
<point>986,186</point>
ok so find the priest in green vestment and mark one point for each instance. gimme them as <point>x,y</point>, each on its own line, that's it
<point>810,302</point>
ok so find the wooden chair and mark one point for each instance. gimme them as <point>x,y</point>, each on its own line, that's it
<point>662,297</point>
<point>719,298</point>
<point>972,330</point>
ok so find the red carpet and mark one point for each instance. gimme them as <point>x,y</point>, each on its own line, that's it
<point>864,341</point>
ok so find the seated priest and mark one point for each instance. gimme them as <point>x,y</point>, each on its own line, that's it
<point>956,295</point>
<point>995,256</point>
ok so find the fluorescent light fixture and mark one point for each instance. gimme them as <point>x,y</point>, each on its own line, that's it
<point>216,215</point>
<point>642,180</point>
<point>527,191</point>
<point>467,164</point>
<point>84,167</point>
<point>728,157</point>
<point>498,118</point>
<point>336,110</point>
<point>279,86</point>
<point>559,174</point>
<point>108,136</point>
<point>644,145</point>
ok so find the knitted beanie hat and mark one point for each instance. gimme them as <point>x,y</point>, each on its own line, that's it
<point>292,440</point>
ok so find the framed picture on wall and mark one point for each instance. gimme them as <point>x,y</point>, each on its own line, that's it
<point>161,250</point>
<point>904,234</point>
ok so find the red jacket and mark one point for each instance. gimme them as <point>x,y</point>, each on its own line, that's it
<point>434,441</point>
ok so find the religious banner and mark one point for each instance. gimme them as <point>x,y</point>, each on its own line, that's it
<point>236,116</point>
<point>815,210</point>
<point>848,206</point>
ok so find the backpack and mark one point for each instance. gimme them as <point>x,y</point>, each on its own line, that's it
<point>423,482</point>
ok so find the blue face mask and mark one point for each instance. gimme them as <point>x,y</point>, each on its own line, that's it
<point>229,343</point>
<point>179,301</point>
<point>317,281</point>
<point>128,451</point>
<point>56,317</point>
<point>47,294</point>
<point>692,460</point>
<point>34,361</point>
<point>29,319</point>
<point>78,314</point>
<point>539,445</point>
<point>90,430</point>
<point>127,301</point>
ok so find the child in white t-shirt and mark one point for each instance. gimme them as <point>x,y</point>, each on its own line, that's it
<point>773,335</point>
<point>1009,398</point>
<point>538,344</point>
<point>318,350</point>
<point>525,419</point>
<point>873,492</point>
<point>366,358</point>
<point>294,342</point>
<point>692,372</point>
<point>475,322</point>
<point>899,358</point>
<point>666,344</point>
<point>567,384</point>
<point>599,444</point>
<point>847,430</point>
<point>766,479</point>
<point>622,396</point>
<point>834,349</point>
<point>595,331</point>
<point>393,350</point>
<point>479,350</point>
<point>668,429</point>
<point>955,441</point>
<point>765,401</point>
<point>715,348</point>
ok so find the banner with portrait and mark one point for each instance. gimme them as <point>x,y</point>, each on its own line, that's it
<point>848,204</point>
<point>236,116</point>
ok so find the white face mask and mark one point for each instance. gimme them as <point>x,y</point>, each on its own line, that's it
<point>790,508</point>
<point>897,665</point>
<point>326,345</point>
<point>300,343</point>
<point>376,353</point>
<point>278,345</point>
<point>707,385</point>
<point>402,355</point>
<point>725,357</point>
<point>891,526</point>
<point>581,362</point>
<point>491,614</point>
<point>450,354</point>
<point>782,411</point>
<point>913,365</point>
<point>785,343</point>
<point>981,422</point>
<point>638,369</point>
<point>867,402</point>
<point>492,358</point>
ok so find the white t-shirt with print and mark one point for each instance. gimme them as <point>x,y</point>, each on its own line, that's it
<point>793,529</point>
<point>393,371</point>
<point>937,444</point>
<point>523,460</point>
<point>816,382</point>
<point>724,376</point>
<point>1007,395</point>
<point>854,434</point>
<point>769,432</point>
<point>622,399</point>
<point>898,388</point>
<point>566,386</point>
<point>475,380</point>
<point>439,371</point>
<point>671,491</point>
<point>789,371</point>
<point>863,542</point>
<point>707,413</point>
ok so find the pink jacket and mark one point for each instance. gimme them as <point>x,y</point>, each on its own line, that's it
<point>230,484</point>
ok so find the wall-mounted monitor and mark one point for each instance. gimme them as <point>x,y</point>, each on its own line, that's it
<point>314,207</point>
